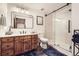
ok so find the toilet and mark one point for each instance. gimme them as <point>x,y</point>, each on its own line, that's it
<point>43,42</point>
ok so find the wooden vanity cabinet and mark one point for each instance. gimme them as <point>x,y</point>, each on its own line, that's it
<point>7,46</point>
<point>18,45</point>
<point>10,46</point>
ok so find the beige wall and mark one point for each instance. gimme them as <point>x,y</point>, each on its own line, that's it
<point>48,28</point>
<point>75,16</point>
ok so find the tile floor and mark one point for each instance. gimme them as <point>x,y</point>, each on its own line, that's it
<point>45,52</point>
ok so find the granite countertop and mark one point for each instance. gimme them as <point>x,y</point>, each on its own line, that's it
<point>17,35</point>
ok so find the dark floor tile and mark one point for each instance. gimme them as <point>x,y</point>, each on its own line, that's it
<point>49,52</point>
<point>52,52</point>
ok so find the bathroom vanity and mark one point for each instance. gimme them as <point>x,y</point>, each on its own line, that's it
<point>11,45</point>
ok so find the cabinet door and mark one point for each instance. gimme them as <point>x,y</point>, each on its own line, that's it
<point>34,41</point>
<point>27,45</point>
<point>18,46</point>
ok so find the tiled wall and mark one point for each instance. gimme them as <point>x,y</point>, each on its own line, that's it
<point>36,28</point>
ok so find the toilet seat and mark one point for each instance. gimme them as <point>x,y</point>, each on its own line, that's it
<point>43,39</point>
<point>43,42</point>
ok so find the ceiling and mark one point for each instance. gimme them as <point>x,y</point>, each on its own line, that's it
<point>45,8</point>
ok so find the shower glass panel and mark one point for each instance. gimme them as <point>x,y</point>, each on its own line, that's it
<point>62,27</point>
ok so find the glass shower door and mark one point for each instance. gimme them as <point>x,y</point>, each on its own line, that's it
<point>62,29</point>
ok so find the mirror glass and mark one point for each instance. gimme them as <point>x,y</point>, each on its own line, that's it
<point>21,21</point>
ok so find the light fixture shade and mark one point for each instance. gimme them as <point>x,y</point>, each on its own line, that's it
<point>2,20</point>
<point>16,9</point>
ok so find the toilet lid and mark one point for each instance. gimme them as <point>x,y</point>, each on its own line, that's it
<point>43,39</point>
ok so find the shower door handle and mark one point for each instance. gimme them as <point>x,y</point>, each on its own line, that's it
<point>69,25</point>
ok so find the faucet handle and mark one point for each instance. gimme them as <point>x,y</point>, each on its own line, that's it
<point>20,32</point>
<point>25,32</point>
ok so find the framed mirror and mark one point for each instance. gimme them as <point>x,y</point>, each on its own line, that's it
<point>21,21</point>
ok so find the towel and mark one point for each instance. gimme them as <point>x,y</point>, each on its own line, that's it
<point>76,38</point>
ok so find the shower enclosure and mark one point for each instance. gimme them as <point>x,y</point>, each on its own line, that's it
<point>62,28</point>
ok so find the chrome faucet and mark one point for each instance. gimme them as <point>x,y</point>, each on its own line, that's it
<point>23,32</point>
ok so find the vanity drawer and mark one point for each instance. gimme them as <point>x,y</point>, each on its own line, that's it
<point>29,36</point>
<point>7,39</point>
<point>7,45</point>
<point>34,36</point>
<point>17,39</point>
<point>27,39</point>
<point>7,52</point>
